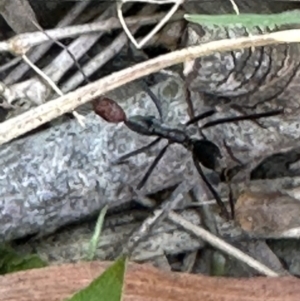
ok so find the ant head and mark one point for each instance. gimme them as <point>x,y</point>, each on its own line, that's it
<point>207,153</point>
<point>109,110</point>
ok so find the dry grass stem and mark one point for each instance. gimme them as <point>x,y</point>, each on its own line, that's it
<point>221,245</point>
<point>160,24</point>
<point>21,43</point>
<point>235,7</point>
<point>48,80</point>
<point>42,75</point>
<point>38,52</point>
<point>158,215</point>
<point>103,57</point>
<point>30,120</point>
<point>10,64</point>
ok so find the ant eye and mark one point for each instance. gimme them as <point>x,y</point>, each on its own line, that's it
<point>207,153</point>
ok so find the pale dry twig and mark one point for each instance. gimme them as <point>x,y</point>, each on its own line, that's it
<point>161,23</point>
<point>23,42</point>
<point>30,120</point>
<point>38,52</point>
<point>220,244</point>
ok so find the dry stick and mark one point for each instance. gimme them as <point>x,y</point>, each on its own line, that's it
<point>161,23</point>
<point>62,63</point>
<point>235,7</point>
<point>24,42</point>
<point>79,117</point>
<point>58,66</point>
<point>38,52</point>
<point>78,47</point>
<point>158,215</point>
<point>103,57</point>
<point>58,43</point>
<point>48,80</point>
<point>221,245</point>
<point>10,64</point>
<point>95,63</point>
<point>30,120</point>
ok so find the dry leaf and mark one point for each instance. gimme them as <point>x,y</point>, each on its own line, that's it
<point>145,283</point>
<point>267,213</point>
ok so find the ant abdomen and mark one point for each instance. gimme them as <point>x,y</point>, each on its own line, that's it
<point>109,110</point>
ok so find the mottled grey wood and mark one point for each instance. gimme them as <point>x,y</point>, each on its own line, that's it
<point>266,75</point>
<point>65,173</point>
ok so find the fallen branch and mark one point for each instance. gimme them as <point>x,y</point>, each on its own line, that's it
<point>35,117</point>
<point>21,43</point>
<point>63,195</point>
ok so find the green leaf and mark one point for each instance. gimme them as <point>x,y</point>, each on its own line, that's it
<point>11,261</point>
<point>107,287</point>
<point>246,20</point>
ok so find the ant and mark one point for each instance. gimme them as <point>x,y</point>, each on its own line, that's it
<point>203,150</point>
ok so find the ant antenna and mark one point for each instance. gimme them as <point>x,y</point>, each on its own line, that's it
<point>63,47</point>
<point>154,98</point>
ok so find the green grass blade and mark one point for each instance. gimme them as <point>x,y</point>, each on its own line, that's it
<point>246,20</point>
<point>96,235</point>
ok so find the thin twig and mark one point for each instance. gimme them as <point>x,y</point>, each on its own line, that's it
<point>23,42</point>
<point>66,49</point>
<point>221,245</point>
<point>161,23</point>
<point>235,7</point>
<point>42,75</point>
<point>158,215</point>
<point>35,54</point>
<point>10,64</point>
<point>95,63</point>
<point>79,117</point>
<point>35,117</point>
<point>104,56</point>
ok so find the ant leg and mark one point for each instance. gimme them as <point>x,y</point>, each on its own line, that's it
<point>154,98</point>
<point>240,110</point>
<point>230,195</point>
<point>241,118</point>
<point>152,166</point>
<point>220,203</point>
<point>136,152</point>
<point>231,201</point>
<point>200,117</point>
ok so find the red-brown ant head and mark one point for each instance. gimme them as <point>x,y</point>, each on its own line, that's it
<point>109,110</point>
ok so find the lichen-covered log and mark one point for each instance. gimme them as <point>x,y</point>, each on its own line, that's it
<point>66,173</point>
<point>250,76</point>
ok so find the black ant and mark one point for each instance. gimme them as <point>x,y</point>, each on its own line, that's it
<point>203,151</point>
